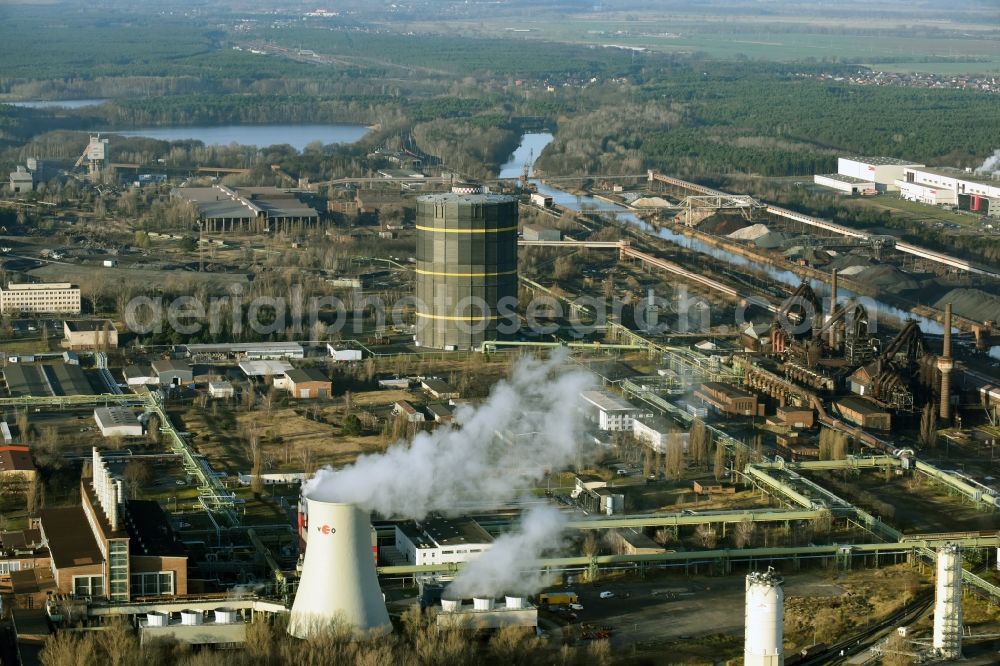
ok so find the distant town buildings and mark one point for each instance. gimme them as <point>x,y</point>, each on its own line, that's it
<point>40,298</point>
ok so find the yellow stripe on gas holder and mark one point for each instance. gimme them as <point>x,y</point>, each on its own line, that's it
<point>466,231</point>
<point>446,274</point>
<point>424,315</point>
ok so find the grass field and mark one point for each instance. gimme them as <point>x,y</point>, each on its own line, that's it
<point>916,211</point>
<point>964,46</point>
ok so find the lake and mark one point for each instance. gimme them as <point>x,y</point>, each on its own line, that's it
<point>59,103</point>
<point>297,136</point>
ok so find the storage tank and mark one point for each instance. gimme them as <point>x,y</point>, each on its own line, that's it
<point>482,603</point>
<point>226,616</point>
<point>466,268</point>
<point>948,603</point>
<point>765,608</point>
<point>515,603</point>
<point>156,619</point>
<point>450,605</point>
<point>339,583</point>
<point>191,617</point>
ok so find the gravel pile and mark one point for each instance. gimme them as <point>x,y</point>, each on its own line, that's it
<point>972,303</point>
<point>773,240</point>
<point>887,278</point>
<point>751,233</point>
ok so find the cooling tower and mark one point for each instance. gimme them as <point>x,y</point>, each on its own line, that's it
<point>948,603</point>
<point>466,267</point>
<point>339,583</point>
<point>763,644</point>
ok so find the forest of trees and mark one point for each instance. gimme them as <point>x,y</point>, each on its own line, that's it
<point>419,642</point>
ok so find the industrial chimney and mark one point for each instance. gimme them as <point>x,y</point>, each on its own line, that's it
<point>945,365</point>
<point>948,603</point>
<point>763,644</point>
<point>833,308</point>
<point>339,583</point>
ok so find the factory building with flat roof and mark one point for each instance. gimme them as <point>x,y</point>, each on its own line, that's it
<point>883,172</point>
<point>90,334</point>
<point>247,209</point>
<point>40,298</point>
<point>611,412</point>
<point>847,184</point>
<point>967,190</point>
<point>466,268</point>
<point>46,379</point>
<point>117,422</point>
<point>438,540</point>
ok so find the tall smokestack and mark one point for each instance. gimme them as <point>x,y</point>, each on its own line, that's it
<point>339,585</point>
<point>945,365</point>
<point>833,308</point>
<point>763,644</point>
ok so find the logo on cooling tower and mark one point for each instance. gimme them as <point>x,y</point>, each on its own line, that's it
<point>326,529</point>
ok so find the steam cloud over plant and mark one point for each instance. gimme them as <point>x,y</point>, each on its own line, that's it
<point>991,164</point>
<point>471,461</point>
<point>508,566</point>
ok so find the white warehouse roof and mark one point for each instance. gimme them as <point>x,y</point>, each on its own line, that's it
<point>607,402</point>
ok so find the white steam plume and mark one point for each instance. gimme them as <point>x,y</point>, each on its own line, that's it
<point>991,165</point>
<point>440,470</point>
<point>508,567</point>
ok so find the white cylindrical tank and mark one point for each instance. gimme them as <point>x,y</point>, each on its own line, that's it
<point>948,603</point>
<point>156,619</point>
<point>226,616</point>
<point>482,603</point>
<point>451,605</point>
<point>191,617</point>
<point>515,603</point>
<point>339,583</point>
<point>765,628</point>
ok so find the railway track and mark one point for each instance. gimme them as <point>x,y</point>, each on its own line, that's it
<point>837,652</point>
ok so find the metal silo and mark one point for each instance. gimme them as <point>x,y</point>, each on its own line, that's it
<point>948,603</point>
<point>466,267</point>
<point>339,584</point>
<point>763,643</point>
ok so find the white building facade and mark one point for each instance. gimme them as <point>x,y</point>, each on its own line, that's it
<point>883,171</point>
<point>43,298</point>
<point>441,541</point>
<point>610,412</point>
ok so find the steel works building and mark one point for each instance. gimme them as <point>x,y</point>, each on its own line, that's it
<point>112,548</point>
<point>466,265</point>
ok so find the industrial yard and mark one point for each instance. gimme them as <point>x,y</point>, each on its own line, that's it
<point>530,357</point>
